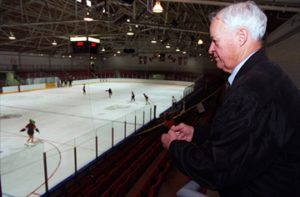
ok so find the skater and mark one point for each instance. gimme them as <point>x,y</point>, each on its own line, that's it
<point>132,97</point>
<point>146,99</point>
<point>83,89</point>
<point>174,102</point>
<point>30,130</point>
<point>109,92</point>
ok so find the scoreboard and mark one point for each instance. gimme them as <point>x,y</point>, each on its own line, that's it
<point>85,47</point>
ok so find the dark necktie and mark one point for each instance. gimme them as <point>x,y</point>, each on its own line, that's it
<point>227,86</point>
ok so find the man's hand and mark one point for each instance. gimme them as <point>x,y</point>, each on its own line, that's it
<point>183,132</point>
<point>167,138</point>
<point>179,132</point>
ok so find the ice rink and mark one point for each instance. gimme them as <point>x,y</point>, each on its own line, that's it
<point>63,116</point>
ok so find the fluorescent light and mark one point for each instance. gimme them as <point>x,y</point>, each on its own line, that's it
<point>96,40</point>
<point>84,38</point>
<point>78,38</point>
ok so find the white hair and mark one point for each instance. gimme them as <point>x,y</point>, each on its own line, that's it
<point>245,14</point>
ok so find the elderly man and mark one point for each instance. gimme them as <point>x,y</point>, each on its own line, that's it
<point>254,146</point>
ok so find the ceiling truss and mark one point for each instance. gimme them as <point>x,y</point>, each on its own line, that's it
<point>36,24</point>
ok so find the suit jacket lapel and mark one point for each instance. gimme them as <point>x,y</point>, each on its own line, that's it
<point>253,61</point>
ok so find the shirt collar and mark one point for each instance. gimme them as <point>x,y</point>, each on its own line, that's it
<point>237,68</point>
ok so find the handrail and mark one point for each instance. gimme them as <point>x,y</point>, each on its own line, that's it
<point>182,112</point>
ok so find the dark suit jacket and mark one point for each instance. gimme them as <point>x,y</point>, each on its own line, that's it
<point>254,146</point>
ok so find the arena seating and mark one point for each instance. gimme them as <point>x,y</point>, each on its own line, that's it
<point>88,74</point>
<point>122,166</point>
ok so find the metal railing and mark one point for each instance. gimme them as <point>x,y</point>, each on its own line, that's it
<point>34,171</point>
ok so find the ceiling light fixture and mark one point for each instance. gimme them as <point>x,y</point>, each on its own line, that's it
<point>91,39</point>
<point>88,17</point>
<point>200,42</point>
<point>78,38</point>
<point>157,8</point>
<point>84,38</point>
<point>89,3</point>
<point>130,32</point>
<point>177,49</point>
<point>11,36</point>
<point>54,43</point>
<point>153,41</point>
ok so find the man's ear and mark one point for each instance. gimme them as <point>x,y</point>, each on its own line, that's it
<point>243,36</point>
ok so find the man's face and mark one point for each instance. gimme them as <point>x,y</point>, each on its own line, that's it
<point>223,46</point>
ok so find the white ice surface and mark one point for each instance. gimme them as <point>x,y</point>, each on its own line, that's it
<point>63,114</point>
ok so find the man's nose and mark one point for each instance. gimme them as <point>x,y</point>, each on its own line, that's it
<point>211,48</point>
